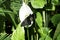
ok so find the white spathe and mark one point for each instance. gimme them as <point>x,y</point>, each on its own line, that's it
<point>24,12</point>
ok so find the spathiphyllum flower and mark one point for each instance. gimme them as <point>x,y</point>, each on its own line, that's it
<point>25,15</point>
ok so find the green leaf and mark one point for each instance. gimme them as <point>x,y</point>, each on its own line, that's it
<point>8,38</point>
<point>18,34</point>
<point>44,31</point>
<point>39,19</point>
<point>55,2</point>
<point>55,19</point>
<point>1,10</point>
<point>48,38</point>
<point>57,31</point>
<point>15,6</point>
<point>2,20</point>
<point>11,17</point>
<point>50,7</point>
<point>58,37</point>
<point>1,1</point>
<point>38,3</point>
<point>42,38</point>
<point>3,36</point>
<point>39,22</point>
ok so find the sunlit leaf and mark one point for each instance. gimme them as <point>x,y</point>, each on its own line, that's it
<point>38,3</point>
<point>39,22</point>
<point>39,19</point>
<point>18,34</point>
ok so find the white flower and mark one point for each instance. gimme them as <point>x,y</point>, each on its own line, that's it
<point>24,12</point>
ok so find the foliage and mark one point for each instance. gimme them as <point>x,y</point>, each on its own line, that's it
<point>47,13</point>
<point>4,36</point>
<point>57,32</point>
<point>56,19</point>
<point>39,19</point>
<point>38,3</point>
<point>18,34</point>
<point>58,37</point>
